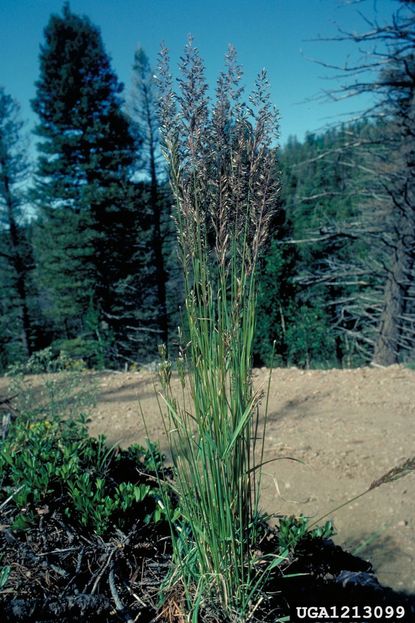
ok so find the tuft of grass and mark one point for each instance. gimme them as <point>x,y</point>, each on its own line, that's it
<point>223,175</point>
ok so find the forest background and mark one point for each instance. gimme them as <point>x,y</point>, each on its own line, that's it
<point>88,255</point>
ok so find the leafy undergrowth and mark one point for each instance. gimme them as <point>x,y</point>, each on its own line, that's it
<point>83,527</point>
<point>84,536</point>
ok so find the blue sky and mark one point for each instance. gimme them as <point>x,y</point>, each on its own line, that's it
<point>267,33</point>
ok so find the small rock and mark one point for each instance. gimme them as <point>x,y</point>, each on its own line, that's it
<point>402,523</point>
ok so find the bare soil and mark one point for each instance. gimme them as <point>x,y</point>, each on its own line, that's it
<point>346,427</point>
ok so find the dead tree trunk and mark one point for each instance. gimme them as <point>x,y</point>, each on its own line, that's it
<point>388,344</point>
<point>396,328</point>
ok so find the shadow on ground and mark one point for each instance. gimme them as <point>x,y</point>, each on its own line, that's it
<point>298,408</point>
<point>383,548</point>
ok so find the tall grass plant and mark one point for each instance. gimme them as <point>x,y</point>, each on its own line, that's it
<point>222,167</point>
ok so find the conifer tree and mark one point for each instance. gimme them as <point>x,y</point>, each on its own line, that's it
<point>325,261</point>
<point>143,110</point>
<point>15,256</point>
<point>87,235</point>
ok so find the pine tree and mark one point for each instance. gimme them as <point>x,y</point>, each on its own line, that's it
<point>143,110</point>
<point>15,256</point>
<point>87,234</point>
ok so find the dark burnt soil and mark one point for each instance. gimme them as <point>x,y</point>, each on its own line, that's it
<point>62,571</point>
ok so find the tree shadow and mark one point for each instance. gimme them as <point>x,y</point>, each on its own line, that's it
<point>381,550</point>
<point>128,392</point>
<point>297,408</point>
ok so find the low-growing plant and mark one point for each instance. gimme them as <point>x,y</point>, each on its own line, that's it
<point>4,575</point>
<point>223,175</point>
<point>292,530</point>
<point>30,458</point>
<point>97,507</point>
<point>92,506</point>
<point>45,361</point>
<point>99,454</point>
<point>42,460</point>
<point>149,456</point>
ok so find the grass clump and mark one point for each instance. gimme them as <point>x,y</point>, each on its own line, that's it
<point>223,174</point>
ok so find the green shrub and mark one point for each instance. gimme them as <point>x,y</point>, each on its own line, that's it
<point>97,509</point>
<point>41,362</point>
<point>309,341</point>
<point>292,530</point>
<point>150,456</point>
<point>85,352</point>
<point>45,459</point>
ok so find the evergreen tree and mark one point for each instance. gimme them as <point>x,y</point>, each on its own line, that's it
<point>143,110</point>
<point>276,290</point>
<point>15,254</point>
<point>396,334</point>
<point>275,303</point>
<point>86,241</point>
